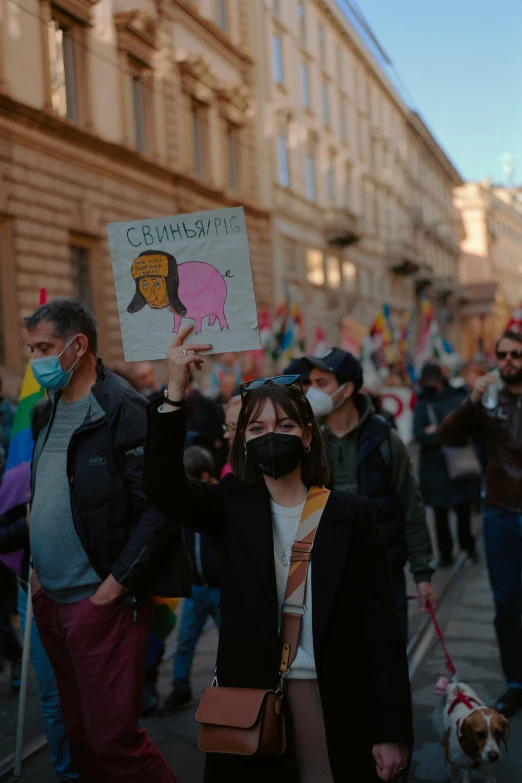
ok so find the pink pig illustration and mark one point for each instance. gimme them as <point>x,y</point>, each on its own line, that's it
<point>203,291</point>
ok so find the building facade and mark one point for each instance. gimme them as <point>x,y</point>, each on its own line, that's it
<point>115,110</point>
<point>437,227</point>
<point>491,267</point>
<point>358,186</point>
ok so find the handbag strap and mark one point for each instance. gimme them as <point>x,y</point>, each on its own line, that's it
<point>295,593</point>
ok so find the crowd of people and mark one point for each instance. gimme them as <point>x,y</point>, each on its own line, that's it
<point>291,496</point>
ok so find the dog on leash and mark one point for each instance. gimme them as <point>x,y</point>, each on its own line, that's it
<point>471,732</point>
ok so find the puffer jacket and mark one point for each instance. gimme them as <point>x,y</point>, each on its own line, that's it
<point>502,427</point>
<point>122,533</point>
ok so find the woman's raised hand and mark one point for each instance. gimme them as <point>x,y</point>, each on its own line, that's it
<point>179,359</point>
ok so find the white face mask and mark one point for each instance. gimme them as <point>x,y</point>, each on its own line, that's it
<point>322,403</point>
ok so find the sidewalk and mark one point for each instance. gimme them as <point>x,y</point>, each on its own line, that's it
<point>467,625</point>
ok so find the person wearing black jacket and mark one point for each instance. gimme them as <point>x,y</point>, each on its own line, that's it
<point>205,599</point>
<point>100,549</point>
<point>348,689</point>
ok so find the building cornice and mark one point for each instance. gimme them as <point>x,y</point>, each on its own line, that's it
<point>190,10</point>
<point>417,124</point>
<point>136,35</point>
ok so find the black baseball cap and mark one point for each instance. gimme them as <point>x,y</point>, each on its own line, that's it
<point>299,367</point>
<point>340,363</point>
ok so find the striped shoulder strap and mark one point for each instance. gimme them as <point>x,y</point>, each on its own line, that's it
<point>295,594</point>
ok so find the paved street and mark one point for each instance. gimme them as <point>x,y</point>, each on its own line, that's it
<point>466,620</point>
<point>468,628</point>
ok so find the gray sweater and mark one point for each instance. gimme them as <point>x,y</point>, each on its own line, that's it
<point>60,561</point>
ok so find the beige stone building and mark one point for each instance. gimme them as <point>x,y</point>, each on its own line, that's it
<point>115,110</point>
<point>491,268</point>
<point>360,191</point>
<point>436,227</point>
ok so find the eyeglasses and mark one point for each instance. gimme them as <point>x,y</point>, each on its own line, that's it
<point>277,380</point>
<point>516,354</point>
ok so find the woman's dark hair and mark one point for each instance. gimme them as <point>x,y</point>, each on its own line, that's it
<point>290,400</point>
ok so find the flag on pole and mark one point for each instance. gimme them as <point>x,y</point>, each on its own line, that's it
<point>320,344</point>
<point>15,489</point>
<point>432,346</point>
<point>382,333</point>
<point>405,346</point>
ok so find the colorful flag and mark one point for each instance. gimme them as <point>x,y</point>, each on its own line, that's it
<point>353,334</point>
<point>432,346</point>
<point>161,624</point>
<point>320,344</point>
<point>515,321</point>
<point>382,333</point>
<point>287,331</point>
<point>407,368</point>
<point>15,489</point>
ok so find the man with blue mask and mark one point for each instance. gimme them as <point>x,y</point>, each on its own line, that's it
<point>368,457</point>
<point>100,551</point>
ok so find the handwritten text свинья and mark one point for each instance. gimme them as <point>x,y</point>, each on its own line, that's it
<point>138,236</point>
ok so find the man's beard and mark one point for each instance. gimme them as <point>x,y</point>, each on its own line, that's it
<point>513,379</point>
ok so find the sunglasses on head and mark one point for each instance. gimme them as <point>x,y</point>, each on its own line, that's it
<point>277,380</point>
<point>516,354</point>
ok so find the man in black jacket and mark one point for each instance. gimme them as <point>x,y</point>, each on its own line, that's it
<point>99,548</point>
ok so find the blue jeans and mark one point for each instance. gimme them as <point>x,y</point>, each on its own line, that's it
<point>52,714</point>
<point>503,541</point>
<point>204,603</point>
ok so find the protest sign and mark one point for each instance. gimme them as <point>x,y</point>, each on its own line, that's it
<point>398,401</point>
<point>170,272</point>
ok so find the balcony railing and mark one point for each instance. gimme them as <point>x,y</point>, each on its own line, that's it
<point>341,228</point>
<point>403,257</point>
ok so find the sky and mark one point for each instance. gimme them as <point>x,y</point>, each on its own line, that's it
<point>461,64</point>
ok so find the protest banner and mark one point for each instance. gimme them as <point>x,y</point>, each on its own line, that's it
<point>398,401</point>
<point>173,271</point>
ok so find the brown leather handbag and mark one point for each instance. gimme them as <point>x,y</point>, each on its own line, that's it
<point>250,721</point>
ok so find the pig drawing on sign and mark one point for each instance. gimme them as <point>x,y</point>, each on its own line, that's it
<point>195,289</point>
<point>204,290</point>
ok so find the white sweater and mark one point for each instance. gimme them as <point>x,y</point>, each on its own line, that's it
<point>285,522</point>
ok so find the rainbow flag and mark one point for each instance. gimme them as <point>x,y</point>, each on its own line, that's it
<point>15,489</point>
<point>382,333</point>
<point>161,623</point>
<point>287,330</point>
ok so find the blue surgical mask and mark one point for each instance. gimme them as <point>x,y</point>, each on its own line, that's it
<point>48,372</point>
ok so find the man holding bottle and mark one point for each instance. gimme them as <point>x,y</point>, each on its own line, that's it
<point>497,413</point>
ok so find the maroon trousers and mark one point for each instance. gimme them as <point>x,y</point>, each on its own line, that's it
<point>98,655</point>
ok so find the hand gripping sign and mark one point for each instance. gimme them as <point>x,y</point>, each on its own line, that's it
<point>187,268</point>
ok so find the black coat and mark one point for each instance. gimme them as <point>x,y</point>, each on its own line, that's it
<point>438,490</point>
<point>121,532</point>
<point>359,651</point>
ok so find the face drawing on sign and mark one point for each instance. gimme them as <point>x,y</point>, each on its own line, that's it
<point>193,290</point>
<point>154,290</point>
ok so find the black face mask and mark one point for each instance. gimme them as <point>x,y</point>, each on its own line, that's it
<point>275,454</point>
<point>431,389</point>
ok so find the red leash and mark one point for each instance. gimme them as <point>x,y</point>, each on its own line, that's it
<point>431,611</point>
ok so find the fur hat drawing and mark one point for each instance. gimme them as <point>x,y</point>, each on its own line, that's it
<point>157,282</point>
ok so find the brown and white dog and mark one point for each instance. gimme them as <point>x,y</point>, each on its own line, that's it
<point>472,732</point>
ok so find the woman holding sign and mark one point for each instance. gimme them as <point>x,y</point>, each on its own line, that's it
<point>311,670</point>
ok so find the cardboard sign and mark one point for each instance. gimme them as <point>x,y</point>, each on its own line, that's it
<point>173,271</point>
